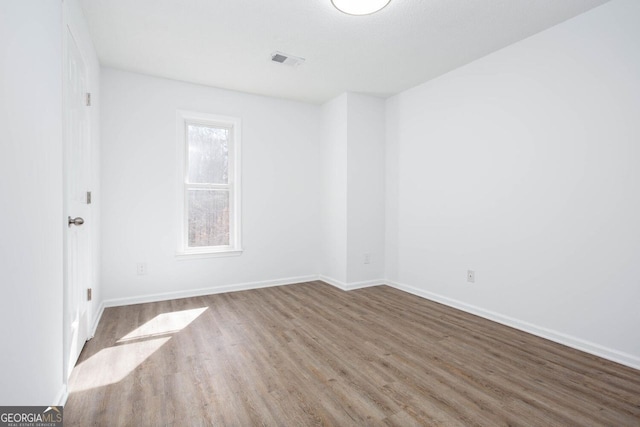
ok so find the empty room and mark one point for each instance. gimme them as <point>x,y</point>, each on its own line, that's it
<point>320,212</point>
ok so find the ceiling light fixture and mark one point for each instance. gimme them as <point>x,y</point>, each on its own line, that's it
<point>359,7</point>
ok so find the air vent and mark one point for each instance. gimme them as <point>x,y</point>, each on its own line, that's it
<point>286,59</point>
<point>278,58</point>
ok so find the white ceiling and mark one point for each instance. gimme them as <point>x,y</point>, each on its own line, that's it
<point>227,43</point>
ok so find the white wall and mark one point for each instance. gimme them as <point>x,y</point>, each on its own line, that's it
<point>280,184</point>
<point>352,197</point>
<point>365,187</point>
<point>334,189</point>
<point>524,166</point>
<point>31,220</point>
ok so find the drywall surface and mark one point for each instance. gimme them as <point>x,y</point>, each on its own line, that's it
<point>333,196</point>
<point>280,187</point>
<point>353,187</point>
<point>31,220</point>
<point>523,166</point>
<point>365,188</point>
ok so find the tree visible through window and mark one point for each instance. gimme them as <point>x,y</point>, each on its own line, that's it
<point>209,206</point>
<point>210,185</point>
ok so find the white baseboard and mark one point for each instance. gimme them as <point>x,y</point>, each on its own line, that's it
<point>350,286</point>
<point>207,291</point>
<point>552,335</point>
<point>61,399</point>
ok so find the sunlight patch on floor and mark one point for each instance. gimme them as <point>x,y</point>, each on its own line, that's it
<point>113,364</point>
<point>162,324</point>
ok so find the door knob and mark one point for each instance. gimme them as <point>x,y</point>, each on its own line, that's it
<point>75,221</point>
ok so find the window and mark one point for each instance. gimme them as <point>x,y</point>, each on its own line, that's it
<point>209,188</point>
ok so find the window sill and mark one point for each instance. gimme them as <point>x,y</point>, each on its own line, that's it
<point>208,254</point>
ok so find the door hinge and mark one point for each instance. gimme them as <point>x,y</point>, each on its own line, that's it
<point>89,294</point>
<point>88,99</point>
<point>88,197</point>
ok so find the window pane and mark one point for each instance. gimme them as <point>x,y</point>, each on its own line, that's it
<point>208,154</point>
<point>208,218</point>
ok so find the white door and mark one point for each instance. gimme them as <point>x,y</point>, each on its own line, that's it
<point>77,205</point>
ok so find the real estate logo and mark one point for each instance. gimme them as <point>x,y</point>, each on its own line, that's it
<point>31,416</point>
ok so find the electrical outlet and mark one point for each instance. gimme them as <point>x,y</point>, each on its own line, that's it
<point>367,258</point>
<point>471,276</point>
<point>141,268</point>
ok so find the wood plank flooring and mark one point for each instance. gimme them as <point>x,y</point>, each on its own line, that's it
<point>310,354</point>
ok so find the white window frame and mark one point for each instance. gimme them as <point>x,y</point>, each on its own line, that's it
<point>235,243</point>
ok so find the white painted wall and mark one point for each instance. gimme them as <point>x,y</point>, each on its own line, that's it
<point>334,189</point>
<point>524,166</point>
<point>31,221</point>
<point>352,197</point>
<point>365,187</point>
<point>280,179</point>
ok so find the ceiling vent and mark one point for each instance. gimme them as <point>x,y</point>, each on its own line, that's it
<point>286,59</point>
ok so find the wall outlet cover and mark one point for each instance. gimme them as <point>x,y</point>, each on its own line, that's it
<point>141,268</point>
<point>471,276</point>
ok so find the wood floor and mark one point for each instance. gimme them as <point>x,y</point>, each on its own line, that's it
<point>310,354</point>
